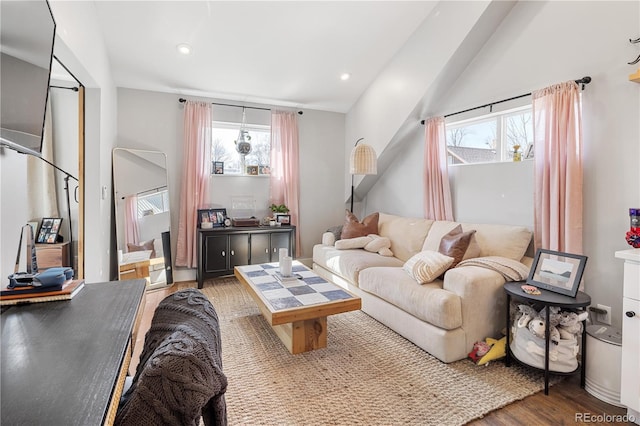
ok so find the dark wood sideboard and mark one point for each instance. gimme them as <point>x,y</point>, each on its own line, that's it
<point>222,249</point>
<point>64,363</point>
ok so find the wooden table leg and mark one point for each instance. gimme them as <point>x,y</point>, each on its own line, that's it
<point>303,336</point>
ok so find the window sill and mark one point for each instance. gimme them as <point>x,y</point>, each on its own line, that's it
<point>490,162</point>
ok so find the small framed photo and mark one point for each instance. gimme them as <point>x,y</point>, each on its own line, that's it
<point>265,170</point>
<point>49,230</point>
<point>557,271</point>
<point>217,217</point>
<point>217,168</point>
<point>203,219</point>
<point>529,153</point>
<point>211,218</point>
<point>283,219</point>
<point>252,170</point>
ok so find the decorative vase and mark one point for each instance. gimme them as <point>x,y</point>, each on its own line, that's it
<point>517,156</point>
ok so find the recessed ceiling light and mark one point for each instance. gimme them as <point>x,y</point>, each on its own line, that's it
<point>345,76</point>
<point>184,48</point>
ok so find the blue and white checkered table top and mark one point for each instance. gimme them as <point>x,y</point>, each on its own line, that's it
<point>311,289</point>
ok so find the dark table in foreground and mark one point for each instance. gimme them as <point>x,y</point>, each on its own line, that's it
<point>62,362</point>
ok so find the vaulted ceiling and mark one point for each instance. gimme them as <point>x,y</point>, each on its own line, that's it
<point>277,52</point>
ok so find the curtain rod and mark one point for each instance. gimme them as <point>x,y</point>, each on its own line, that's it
<point>149,190</point>
<point>583,81</point>
<point>183,100</point>
<point>75,89</point>
<point>67,70</point>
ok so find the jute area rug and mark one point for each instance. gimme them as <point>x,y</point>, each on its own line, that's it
<point>366,375</point>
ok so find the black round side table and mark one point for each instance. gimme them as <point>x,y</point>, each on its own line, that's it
<point>547,299</point>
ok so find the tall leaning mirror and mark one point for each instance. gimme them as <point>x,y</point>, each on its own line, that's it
<point>142,216</point>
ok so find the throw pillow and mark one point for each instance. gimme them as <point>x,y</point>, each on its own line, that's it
<point>147,245</point>
<point>455,244</point>
<point>427,265</point>
<point>373,243</point>
<point>353,228</point>
<point>352,243</point>
<point>380,245</point>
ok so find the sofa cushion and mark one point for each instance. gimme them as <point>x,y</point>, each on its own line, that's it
<point>348,263</point>
<point>353,228</point>
<point>427,302</point>
<point>508,241</point>
<point>427,265</point>
<point>406,234</point>
<point>455,244</point>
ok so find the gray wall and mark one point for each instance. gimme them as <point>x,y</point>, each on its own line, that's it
<point>153,120</point>
<point>533,48</point>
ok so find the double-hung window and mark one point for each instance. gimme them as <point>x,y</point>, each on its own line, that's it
<point>228,121</point>
<point>491,138</point>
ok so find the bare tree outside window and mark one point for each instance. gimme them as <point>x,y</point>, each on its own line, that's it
<point>490,138</point>
<point>223,147</point>
<point>219,151</point>
<point>519,129</point>
<point>456,135</point>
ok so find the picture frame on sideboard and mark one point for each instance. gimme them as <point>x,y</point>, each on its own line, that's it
<point>283,219</point>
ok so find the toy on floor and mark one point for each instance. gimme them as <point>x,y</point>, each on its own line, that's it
<point>489,350</point>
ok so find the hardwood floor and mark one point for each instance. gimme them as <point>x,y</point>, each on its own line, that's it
<point>566,404</point>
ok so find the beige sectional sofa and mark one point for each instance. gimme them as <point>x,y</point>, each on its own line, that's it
<point>446,316</point>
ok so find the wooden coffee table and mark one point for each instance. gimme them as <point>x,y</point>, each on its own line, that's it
<point>297,311</point>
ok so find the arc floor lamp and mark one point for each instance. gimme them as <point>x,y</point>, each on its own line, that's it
<point>363,161</point>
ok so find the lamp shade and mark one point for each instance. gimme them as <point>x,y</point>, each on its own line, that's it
<point>363,160</point>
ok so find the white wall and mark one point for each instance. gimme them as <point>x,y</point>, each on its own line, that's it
<point>153,120</point>
<point>13,208</point>
<point>64,110</point>
<point>80,47</point>
<point>539,44</point>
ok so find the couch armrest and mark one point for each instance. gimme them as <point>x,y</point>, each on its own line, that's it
<point>483,301</point>
<point>328,239</point>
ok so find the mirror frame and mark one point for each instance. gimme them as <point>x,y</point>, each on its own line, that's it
<point>117,220</point>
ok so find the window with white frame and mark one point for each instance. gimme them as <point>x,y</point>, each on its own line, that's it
<point>153,203</point>
<point>223,146</point>
<point>491,138</point>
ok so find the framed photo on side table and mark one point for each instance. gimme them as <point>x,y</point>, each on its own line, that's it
<point>49,230</point>
<point>557,271</point>
<point>283,219</point>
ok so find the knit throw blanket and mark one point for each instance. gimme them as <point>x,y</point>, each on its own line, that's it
<point>179,378</point>
<point>510,269</point>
